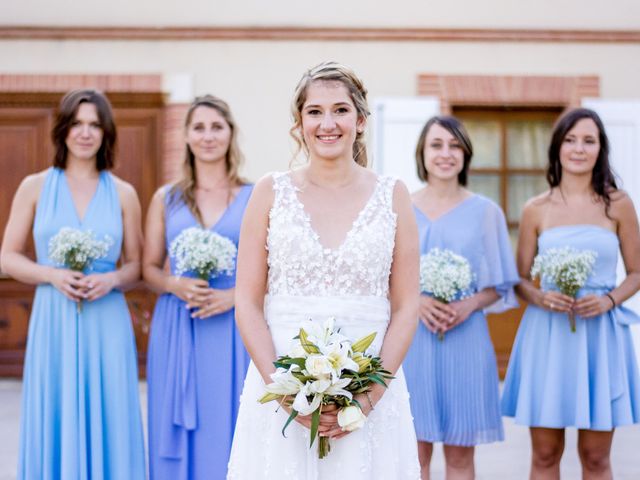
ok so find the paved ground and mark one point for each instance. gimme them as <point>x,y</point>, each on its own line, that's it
<point>508,460</point>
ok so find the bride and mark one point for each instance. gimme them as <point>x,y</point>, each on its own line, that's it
<point>331,239</point>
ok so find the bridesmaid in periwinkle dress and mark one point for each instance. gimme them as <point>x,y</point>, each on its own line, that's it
<point>80,408</point>
<point>587,379</point>
<point>454,382</point>
<point>196,361</point>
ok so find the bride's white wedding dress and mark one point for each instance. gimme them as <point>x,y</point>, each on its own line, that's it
<point>350,283</point>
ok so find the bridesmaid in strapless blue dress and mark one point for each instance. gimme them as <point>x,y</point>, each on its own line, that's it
<point>80,414</point>
<point>587,379</point>
<point>196,360</point>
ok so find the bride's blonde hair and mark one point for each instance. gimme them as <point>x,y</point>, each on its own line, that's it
<point>331,71</point>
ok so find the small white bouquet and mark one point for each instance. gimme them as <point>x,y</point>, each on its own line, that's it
<point>324,367</point>
<point>77,249</point>
<point>202,252</point>
<point>445,276</point>
<point>567,268</point>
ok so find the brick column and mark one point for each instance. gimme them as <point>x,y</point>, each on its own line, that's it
<point>179,91</point>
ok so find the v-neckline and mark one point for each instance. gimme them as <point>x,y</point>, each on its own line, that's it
<point>309,223</point>
<point>87,211</point>
<point>224,212</point>
<point>446,213</point>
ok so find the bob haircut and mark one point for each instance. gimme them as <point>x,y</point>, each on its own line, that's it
<point>455,128</point>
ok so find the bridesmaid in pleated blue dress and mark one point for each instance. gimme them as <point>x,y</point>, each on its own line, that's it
<point>587,379</point>
<point>453,382</point>
<point>80,408</point>
<point>197,361</point>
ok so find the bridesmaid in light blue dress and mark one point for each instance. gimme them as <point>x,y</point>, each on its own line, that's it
<point>587,379</point>
<point>454,382</point>
<point>197,361</point>
<point>80,409</point>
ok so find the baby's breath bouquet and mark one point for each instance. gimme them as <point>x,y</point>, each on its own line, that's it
<point>77,249</point>
<point>324,367</point>
<point>567,268</point>
<point>203,253</point>
<point>445,276</point>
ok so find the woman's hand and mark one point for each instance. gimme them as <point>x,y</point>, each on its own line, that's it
<point>556,302</point>
<point>69,283</point>
<point>216,302</point>
<point>335,431</point>
<point>435,315</point>
<point>592,305</point>
<point>463,310</point>
<point>97,285</point>
<point>328,417</point>
<point>191,290</point>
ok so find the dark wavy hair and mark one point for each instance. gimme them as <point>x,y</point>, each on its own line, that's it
<point>602,179</point>
<point>105,158</point>
<point>455,128</point>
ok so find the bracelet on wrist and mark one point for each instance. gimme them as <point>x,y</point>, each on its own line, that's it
<point>369,399</point>
<point>613,302</point>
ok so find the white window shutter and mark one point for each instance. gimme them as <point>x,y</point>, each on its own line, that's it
<point>397,122</point>
<point>621,119</point>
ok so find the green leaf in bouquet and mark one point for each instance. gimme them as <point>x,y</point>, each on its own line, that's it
<point>375,378</point>
<point>292,415</point>
<point>306,344</point>
<point>315,423</point>
<point>286,362</point>
<point>269,397</point>
<point>364,343</point>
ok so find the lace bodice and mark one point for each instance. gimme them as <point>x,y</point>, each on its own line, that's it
<point>300,265</point>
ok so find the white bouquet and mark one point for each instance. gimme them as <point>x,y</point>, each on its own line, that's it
<point>202,252</point>
<point>445,276</point>
<point>567,268</point>
<point>324,367</point>
<point>77,249</point>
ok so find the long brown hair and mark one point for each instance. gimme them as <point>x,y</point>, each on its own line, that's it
<point>603,180</point>
<point>331,71</point>
<point>67,111</point>
<point>184,189</point>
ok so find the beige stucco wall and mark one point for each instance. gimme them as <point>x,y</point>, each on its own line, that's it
<point>258,77</point>
<point>583,14</point>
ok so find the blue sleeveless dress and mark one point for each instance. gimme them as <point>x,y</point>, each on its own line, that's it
<point>453,383</point>
<point>195,369</point>
<point>80,407</point>
<point>587,379</point>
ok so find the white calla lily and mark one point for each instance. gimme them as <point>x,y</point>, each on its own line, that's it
<point>303,406</point>
<point>284,383</point>
<point>337,388</point>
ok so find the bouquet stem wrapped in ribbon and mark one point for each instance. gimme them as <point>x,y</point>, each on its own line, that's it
<point>445,276</point>
<point>567,268</point>
<point>325,368</point>
<point>77,250</point>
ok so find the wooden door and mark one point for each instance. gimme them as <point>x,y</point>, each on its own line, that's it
<point>508,166</point>
<point>25,147</point>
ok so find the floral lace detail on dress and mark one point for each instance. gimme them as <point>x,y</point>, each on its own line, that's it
<point>300,265</point>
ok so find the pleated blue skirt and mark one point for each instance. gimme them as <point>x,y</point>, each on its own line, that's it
<point>453,385</point>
